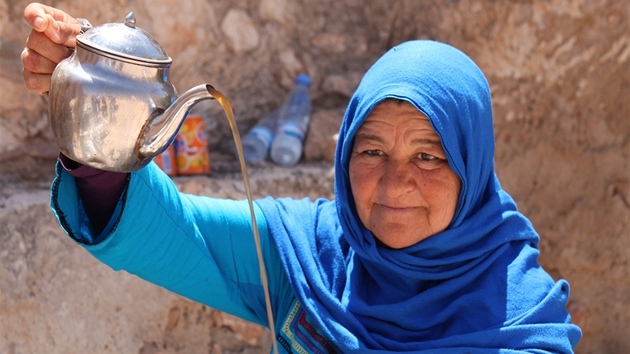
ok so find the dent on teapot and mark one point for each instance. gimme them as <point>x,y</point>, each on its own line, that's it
<point>111,103</point>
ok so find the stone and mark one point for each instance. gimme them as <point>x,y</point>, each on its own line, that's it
<point>292,66</point>
<point>240,31</point>
<point>273,10</point>
<point>344,85</point>
<point>322,136</point>
<point>245,332</point>
<point>333,43</point>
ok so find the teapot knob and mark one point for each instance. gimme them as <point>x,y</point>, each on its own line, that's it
<point>130,20</point>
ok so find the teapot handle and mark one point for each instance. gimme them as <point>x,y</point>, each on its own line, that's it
<point>85,25</point>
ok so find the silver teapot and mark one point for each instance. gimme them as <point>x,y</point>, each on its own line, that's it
<point>111,103</point>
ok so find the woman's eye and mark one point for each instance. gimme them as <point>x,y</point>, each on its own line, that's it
<point>373,152</point>
<point>429,162</point>
<point>426,157</point>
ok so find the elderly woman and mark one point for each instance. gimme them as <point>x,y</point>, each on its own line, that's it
<point>421,251</point>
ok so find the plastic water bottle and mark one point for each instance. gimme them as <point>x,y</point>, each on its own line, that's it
<point>293,119</point>
<point>257,141</point>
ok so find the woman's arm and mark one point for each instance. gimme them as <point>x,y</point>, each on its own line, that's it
<point>199,247</point>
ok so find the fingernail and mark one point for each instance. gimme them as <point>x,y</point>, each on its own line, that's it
<point>38,22</point>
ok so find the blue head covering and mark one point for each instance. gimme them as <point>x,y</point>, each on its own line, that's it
<point>474,287</point>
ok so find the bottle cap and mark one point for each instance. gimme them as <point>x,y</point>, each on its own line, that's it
<point>303,79</point>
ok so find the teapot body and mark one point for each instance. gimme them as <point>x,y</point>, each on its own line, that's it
<point>101,107</point>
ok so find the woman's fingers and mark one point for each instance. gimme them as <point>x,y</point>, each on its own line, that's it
<point>42,54</point>
<point>57,25</point>
<point>38,83</point>
<point>50,41</point>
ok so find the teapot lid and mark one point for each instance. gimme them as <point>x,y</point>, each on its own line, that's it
<point>125,41</point>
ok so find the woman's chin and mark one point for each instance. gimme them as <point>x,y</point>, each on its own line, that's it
<point>396,238</point>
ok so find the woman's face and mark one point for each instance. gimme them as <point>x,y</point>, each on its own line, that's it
<point>403,187</point>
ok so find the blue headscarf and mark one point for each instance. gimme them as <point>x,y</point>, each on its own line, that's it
<point>474,287</point>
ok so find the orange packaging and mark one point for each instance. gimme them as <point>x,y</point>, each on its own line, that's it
<point>191,147</point>
<point>166,161</point>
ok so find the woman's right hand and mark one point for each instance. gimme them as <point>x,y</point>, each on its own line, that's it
<point>51,40</point>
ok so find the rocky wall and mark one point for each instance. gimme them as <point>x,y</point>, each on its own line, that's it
<point>559,76</point>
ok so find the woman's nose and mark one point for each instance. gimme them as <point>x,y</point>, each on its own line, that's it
<point>397,178</point>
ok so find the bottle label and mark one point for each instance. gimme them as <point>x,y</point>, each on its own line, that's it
<point>293,129</point>
<point>263,133</point>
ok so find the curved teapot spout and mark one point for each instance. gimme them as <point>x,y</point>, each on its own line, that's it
<point>160,131</point>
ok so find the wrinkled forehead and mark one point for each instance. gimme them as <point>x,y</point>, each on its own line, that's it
<point>389,109</point>
<point>396,113</point>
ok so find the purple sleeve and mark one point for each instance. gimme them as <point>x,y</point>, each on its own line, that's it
<point>99,190</point>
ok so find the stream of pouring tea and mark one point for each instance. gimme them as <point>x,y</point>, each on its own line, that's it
<point>227,108</point>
